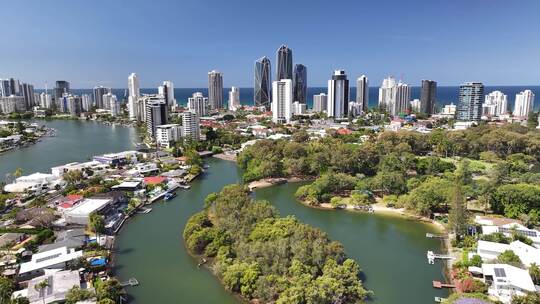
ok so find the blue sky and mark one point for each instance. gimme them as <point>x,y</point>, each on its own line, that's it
<point>101,42</point>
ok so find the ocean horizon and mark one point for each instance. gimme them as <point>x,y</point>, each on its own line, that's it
<point>445,94</point>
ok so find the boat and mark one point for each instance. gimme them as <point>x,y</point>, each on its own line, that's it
<point>185,187</point>
<point>363,208</point>
<point>144,211</point>
<point>169,196</point>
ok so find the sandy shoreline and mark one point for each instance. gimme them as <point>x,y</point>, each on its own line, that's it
<point>268,182</point>
<point>227,157</point>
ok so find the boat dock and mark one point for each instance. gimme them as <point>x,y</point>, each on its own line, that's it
<point>439,299</point>
<point>431,257</point>
<point>130,282</point>
<point>435,236</point>
<point>439,284</point>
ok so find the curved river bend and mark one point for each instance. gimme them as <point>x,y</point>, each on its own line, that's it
<point>391,250</point>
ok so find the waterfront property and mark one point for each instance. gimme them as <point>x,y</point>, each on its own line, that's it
<point>506,281</point>
<point>50,259</point>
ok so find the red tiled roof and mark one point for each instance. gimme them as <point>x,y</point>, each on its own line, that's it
<point>153,180</point>
<point>343,131</point>
<point>66,205</point>
<point>74,197</point>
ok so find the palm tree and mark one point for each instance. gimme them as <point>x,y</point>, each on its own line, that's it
<point>40,286</point>
<point>18,172</point>
<point>534,271</point>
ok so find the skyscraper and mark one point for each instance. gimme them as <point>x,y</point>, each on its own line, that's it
<point>45,100</point>
<point>15,86</point>
<point>133,85</point>
<point>156,115</point>
<point>402,101</point>
<point>5,89</point>
<point>27,91</point>
<point>86,102</point>
<point>98,97</point>
<point>234,99</point>
<point>167,90</point>
<point>134,93</point>
<point>428,96</point>
<point>73,104</point>
<point>524,103</point>
<point>471,95</point>
<point>262,90</point>
<point>215,90</point>
<point>110,100</point>
<point>190,125</point>
<point>282,95</point>
<point>198,104</point>
<point>284,63</point>
<point>338,95</point>
<point>319,102</point>
<point>362,92</point>
<point>394,97</point>
<point>62,87</point>
<point>495,104</point>
<point>300,83</point>
<point>387,93</point>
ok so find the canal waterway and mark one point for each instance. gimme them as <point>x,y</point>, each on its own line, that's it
<point>391,250</point>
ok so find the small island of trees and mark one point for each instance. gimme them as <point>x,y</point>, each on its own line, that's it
<point>268,258</point>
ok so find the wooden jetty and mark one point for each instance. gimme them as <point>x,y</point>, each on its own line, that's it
<point>439,284</point>
<point>435,236</point>
<point>431,257</point>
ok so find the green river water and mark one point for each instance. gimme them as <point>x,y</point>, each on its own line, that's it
<point>391,250</point>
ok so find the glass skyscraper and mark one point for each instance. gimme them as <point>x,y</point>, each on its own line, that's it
<point>471,96</point>
<point>428,96</point>
<point>284,63</point>
<point>300,83</point>
<point>62,87</point>
<point>263,83</point>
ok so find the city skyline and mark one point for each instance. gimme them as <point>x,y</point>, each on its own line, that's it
<point>434,52</point>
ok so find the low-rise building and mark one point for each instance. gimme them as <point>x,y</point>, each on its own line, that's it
<point>71,239</point>
<point>94,166</point>
<point>80,214</point>
<point>58,285</point>
<point>506,281</point>
<point>489,251</point>
<point>509,229</point>
<point>119,158</point>
<point>166,135</point>
<point>33,182</point>
<point>52,259</point>
<point>129,186</point>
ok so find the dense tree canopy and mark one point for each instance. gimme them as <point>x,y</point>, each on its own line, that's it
<point>262,256</point>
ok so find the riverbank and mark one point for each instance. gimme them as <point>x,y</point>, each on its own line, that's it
<point>16,135</point>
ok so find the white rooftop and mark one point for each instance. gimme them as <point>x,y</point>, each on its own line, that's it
<point>49,258</point>
<point>507,275</point>
<point>89,205</point>
<point>125,184</point>
<point>527,254</point>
